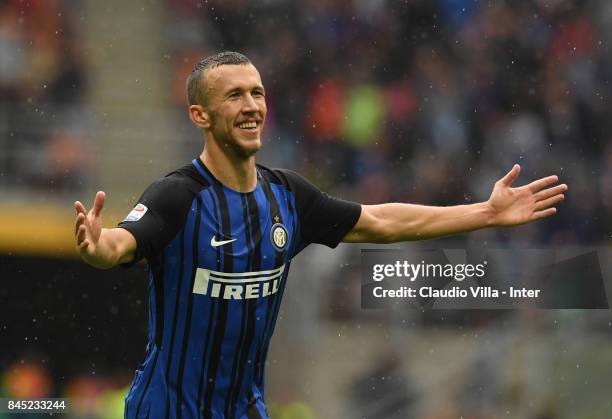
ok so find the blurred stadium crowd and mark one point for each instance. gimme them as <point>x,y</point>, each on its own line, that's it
<point>42,97</point>
<point>418,101</point>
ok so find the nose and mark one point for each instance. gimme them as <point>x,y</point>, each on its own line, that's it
<point>249,104</point>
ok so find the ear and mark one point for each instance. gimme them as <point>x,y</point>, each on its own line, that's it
<point>199,116</point>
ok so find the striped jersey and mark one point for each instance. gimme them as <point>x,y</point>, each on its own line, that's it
<point>218,263</point>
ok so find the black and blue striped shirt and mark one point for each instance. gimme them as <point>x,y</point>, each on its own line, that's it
<point>219,261</point>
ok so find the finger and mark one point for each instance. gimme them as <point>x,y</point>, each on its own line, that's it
<point>80,208</point>
<point>511,175</point>
<point>79,221</point>
<point>539,184</point>
<point>544,213</point>
<point>84,245</point>
<point>98,203</point>
<point>540,205</point>
<point>81,234</point>
<point>547,193</point>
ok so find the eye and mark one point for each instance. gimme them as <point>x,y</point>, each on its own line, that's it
<point>258,93</point>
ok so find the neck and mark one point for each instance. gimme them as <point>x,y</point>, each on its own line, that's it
<point>235,172</point>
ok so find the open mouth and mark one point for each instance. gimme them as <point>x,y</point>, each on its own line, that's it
<point>249,126</point>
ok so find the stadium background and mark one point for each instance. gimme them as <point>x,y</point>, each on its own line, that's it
<point>416,101</point>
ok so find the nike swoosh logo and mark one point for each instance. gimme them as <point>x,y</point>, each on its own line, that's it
<point>215,243</point>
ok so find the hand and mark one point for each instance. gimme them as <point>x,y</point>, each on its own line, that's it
<point>88,228</point>
<point>514,206</point>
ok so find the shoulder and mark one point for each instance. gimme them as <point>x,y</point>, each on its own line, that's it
<point>288,178</point>
<point>174,193</point>
<point>183,181</point>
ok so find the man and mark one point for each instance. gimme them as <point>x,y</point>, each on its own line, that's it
<point>219,235</point>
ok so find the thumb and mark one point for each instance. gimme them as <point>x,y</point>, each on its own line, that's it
<point>512,175</point>
<point>98,203</point>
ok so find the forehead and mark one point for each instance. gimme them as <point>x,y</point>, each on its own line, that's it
<point>229,77</point>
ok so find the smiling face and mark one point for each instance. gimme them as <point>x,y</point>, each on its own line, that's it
<point>234,101</point>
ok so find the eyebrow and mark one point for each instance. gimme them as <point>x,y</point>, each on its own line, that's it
<point>240,89</point>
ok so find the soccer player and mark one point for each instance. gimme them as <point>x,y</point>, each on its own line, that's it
<point>219,235</point>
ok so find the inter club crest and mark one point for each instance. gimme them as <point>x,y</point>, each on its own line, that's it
<point>278,235</point>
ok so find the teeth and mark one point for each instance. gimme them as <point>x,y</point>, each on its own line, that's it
<point>248,125</point>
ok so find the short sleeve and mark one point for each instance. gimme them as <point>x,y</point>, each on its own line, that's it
<point>158,216</point>
<point>323,219</point>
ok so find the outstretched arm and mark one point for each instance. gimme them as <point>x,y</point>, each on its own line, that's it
<point>101,247</point>
<point>507,206</point>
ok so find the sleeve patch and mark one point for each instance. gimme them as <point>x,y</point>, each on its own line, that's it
<point>137,213</point>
